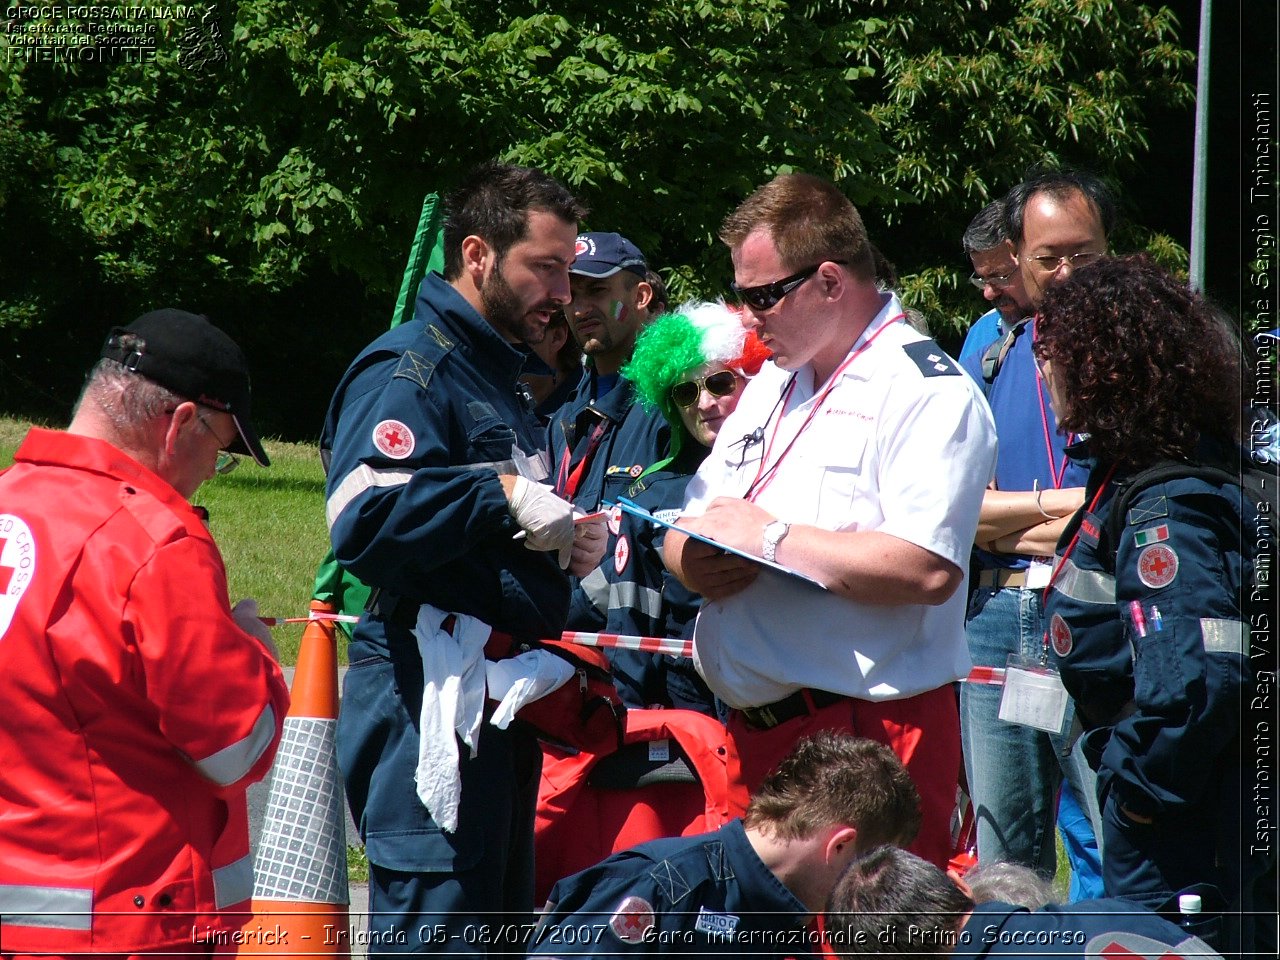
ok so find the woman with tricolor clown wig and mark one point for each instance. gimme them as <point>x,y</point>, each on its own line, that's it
<point>691,365</point>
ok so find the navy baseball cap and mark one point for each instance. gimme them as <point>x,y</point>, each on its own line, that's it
<point>604,254</point>
<point>190,356</point>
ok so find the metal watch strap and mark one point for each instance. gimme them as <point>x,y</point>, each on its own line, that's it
<point>774,533</point>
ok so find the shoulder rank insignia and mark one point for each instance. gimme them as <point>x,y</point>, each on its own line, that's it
<point>931,359</point>
<point>415,367</point>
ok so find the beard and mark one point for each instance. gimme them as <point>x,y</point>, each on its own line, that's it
<point>507,315</point>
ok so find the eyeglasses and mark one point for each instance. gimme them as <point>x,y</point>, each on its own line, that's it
<point>998,281</point>
<point>226,462</point>
<point>767,295</point>
<point>1051,264</point>
<point>722,384</point>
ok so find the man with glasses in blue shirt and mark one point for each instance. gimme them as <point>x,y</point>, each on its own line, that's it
<point>995,275</point>
<point>1057,221</point>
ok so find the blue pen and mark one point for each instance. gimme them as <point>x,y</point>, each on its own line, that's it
<point>1156,623</point>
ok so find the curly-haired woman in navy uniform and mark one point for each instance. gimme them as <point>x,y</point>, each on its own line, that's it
<point>1144,610</point>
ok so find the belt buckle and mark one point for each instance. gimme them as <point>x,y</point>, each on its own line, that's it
<point>767,720</point>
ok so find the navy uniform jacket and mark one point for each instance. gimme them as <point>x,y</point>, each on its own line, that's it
<point>420,427</point>
<point>630,440</point>
<point>423,516</point>
<point>639,596</point>
<point>1166,706</point>
<point>691,895</point>
<point>1106,929</point>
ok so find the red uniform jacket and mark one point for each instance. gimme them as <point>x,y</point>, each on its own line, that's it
<point>136,712</point>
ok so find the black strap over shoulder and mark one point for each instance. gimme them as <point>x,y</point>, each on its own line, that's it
<point>994,356</point>
<point>1129,489</point>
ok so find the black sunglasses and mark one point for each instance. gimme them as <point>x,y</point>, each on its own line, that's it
<point>767,294</point>
<point>722,384</point>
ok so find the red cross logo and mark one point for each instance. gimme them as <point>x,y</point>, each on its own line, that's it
<point>6,571</point>
<point>632,920</point>
<point>1157,566</point>
<point>393,439</point>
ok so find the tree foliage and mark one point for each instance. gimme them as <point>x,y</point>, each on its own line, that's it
<point>285,174</point>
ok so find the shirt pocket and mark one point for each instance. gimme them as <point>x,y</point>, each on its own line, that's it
<point>842,479</point>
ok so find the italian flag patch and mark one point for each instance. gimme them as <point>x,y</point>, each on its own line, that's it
<point>1144,538</point>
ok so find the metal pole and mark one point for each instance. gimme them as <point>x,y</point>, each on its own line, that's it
<point>1201,160</point>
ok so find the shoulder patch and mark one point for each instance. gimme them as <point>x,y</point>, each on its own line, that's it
<point>415,367</point>
<point>1157,566</point>
<point>718,862</point>
<point>438,335</point>
<point>671,881</point>
<point>931,359</point>
<point>17,565</point>
<point>393,439</point>
<point>1151,509</point>
<point>632,919</point>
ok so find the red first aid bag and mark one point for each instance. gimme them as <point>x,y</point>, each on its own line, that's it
<point>585,713</point>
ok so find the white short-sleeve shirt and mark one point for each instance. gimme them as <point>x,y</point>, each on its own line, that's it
<point>905,445</point>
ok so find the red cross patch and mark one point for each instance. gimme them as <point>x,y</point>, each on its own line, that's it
<point>17,565</point>
<point>632,920</point>
<point>614,521</point>
<point>393,439</point>
<point>1157,566</point>
<point>583,245</point>
<point>1060,635</point>
<point>1123,945</point>
<point>621,554</point>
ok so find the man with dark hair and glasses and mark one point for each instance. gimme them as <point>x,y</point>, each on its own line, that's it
<point>858,456</point>
<point>995,275</point>
<point>1015,770</point>
<point>139,704</point>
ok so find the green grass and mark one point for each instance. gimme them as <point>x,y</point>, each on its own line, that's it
<point>269,525</point>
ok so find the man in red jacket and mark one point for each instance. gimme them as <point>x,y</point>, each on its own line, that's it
<point>138,704</point>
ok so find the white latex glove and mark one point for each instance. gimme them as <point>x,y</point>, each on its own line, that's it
<point>245,614</point>
<point>546,519</point>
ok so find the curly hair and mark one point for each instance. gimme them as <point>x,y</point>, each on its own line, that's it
<point>1146,366</point>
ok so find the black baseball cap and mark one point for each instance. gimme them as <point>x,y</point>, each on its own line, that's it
<point>187,354</point>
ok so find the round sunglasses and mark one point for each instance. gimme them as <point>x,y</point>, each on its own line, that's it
<point>722,384</point>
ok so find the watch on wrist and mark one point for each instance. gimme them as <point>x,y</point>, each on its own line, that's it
<point>773,534</point>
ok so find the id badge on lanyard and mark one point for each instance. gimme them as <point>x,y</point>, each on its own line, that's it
<point>1033,695</point>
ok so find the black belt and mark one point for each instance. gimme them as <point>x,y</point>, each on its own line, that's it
<point>799,704</point>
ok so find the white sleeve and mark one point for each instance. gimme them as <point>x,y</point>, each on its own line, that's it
<point>937,454</point>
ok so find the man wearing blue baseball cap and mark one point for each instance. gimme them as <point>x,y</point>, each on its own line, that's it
<point>602,439</point>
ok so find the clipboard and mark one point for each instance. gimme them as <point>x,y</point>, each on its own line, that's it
<point>638,511</point>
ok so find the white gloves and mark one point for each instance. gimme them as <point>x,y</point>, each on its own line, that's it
<point>546,518</point>
<point>245,614</point>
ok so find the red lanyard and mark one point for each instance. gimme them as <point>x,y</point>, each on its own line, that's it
<point>1058,474</point>
<point>765,477</point>
<point>567,483</point>
<point>1062,561</point>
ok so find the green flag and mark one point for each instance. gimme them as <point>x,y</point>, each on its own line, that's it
<point>334,584</point>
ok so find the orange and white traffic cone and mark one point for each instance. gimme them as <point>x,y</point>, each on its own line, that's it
<point>300,872</point>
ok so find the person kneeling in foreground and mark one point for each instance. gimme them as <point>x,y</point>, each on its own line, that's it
<point>892,902</point>
<point>752,887</point>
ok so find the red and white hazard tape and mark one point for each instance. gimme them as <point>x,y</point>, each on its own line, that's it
<point>335,617</point>
<point>994,676</point>
<point>667,645</point>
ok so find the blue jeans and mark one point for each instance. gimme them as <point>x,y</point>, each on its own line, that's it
<point>1014,771</point>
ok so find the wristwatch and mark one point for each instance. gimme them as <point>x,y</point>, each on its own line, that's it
<point>773,534</point>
